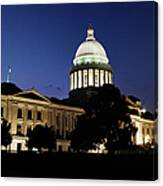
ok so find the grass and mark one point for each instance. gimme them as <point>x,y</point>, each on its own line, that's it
<point>81,166</point>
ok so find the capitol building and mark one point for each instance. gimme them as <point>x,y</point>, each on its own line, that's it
<point>90,69</point>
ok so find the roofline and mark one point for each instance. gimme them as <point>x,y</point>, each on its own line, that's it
<point>51,104</point>
<point>32,91</point>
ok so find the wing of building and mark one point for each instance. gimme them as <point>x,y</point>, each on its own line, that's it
<point>144,121</point>
<point>26,109</point>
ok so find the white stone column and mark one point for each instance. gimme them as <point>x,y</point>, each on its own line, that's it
<point>110,78</point>
<point>79,79</point>
<point>13,109</point>
<point>71,81</point>
<point>90,77</point>
<point>139,134</point>
<point>25,110</point>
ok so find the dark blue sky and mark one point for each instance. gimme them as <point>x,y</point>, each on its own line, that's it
<point>40,41</point>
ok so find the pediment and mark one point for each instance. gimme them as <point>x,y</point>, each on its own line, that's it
<point>32,94</point>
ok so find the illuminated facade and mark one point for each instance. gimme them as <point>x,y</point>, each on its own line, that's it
<point>146,126</point>
<point>24,110</point>
<point>90,67</point>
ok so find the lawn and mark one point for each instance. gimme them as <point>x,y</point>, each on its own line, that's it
<point>73,165</point>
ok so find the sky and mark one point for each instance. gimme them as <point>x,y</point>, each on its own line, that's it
<point>40,42</point>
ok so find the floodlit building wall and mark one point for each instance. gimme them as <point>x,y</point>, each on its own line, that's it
<point>49,112</point>
<point>147,130</point>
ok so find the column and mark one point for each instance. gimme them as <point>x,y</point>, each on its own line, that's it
<point>91,77</point>
<point>106,77</point>
<point>75,80</point>
<point>79,79</point>
<point>13,122</point>
<point>101,77</point>
<point>25,124</point>
<point>110,77</point>
<point>71,81</point>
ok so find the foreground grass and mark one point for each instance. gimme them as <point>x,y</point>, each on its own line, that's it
<point>73,165</point>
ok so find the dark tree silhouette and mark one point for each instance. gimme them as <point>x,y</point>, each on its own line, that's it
<point>41,137</point>
<point>9,88</point>
<point>106,118</point>
<point>148,115</point>
<point>6,137</point>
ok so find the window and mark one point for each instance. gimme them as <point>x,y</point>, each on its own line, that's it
<point>90,77</point>
<point>2,111</point>
<point>85,78</point>
<point>19,114</point>
<point>29,114</point>
<point>29,131</point>
<point>79,79</point>
<point>143,131</point>
<point>58,121</point>
<point>147,130</point>
<point>66,122</point>
<point>101,77</point>
<point>18,129</point>
<point>153,132</point>
<point>67,134</point>
<point>96,78</point>
<point>39,115</point>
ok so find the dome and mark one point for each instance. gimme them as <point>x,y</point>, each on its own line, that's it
<point>90,47</point>
<point>90,51</point>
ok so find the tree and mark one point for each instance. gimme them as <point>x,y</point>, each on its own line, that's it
<point>106,118</point>
<point>41,137</point>
<point>6,137</point>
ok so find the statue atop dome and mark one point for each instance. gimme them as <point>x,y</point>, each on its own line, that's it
<point>90,33</point>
